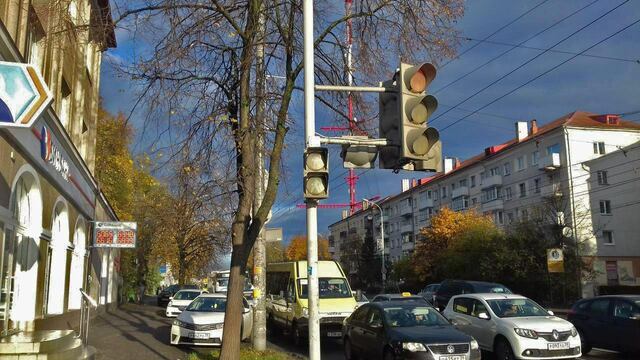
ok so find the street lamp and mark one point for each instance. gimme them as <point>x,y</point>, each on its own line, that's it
<point>382,267</point>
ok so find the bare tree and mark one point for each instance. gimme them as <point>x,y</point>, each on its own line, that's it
<point>194,67</point>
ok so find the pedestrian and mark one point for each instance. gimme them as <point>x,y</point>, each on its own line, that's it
<point>141,289</point>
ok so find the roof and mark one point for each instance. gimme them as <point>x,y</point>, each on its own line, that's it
<point>391,303</point>
<point>492,296</point>
<point>190,290</point>
<point>576,119</point>
<point>214,295</point>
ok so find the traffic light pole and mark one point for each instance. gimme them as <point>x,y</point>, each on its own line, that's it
<point>312,205</point>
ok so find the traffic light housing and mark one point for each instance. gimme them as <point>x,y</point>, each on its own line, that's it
<point>404,115</point>
<point>316,173</point>
<point>359,156</point>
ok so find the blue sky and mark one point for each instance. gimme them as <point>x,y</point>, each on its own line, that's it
<point>583,83</point>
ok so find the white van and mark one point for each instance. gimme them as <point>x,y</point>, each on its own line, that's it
<point>286,298</point>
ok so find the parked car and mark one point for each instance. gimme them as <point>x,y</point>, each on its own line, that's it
<point>202,322</point>
<point>429,291</point>
<point>404,330</point>
<point>163,297</point>
<point>180,300</point>
<point>405,296</point>
<point>449,288</point>
<point>608,322</point>
<point>513,327</point>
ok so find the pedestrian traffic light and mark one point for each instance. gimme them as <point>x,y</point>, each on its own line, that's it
<point>420,143</point>
<point>316,173</point>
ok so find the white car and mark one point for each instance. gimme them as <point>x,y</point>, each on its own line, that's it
<point>202,322</point>
<point>513,327</point>
<point>179,301</point>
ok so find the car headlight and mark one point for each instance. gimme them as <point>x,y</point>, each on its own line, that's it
<point>574,331</point>
<point>526,333</point>
<point>413,347</point>
<point>474,345</point>
<point>305,312</point>
<point>177,322</point>
<point>218,326</point>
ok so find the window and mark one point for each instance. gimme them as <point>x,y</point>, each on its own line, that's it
<point>508,195</point>
<point>474,201</point>
<point>360,314</point>
<point>624,309</point>
<point>525,214</point>
<point>510,218</point>
<point>444,192</point>
<point>463,182</point>
<point>523,189</point>
<point>494,171</point>
<point>473,180</point>
<point>453,186</point>
<point>607,237</point>
<point>65,106</point>
<point>498,217</point>
<point>535,157</point>
<point>521,163</point>
<point>602,177</point>
<point>462,305</point>
<point>483,176</point>
<point>553,149</point>
<point>460,203</point>
<point>35,41</point>
<point>428,194</point>
<point>598,147</point>
<point>536,185</point>
<point>490,194</point>
<point>605,207</point>
<point>507,169</point>
<point>375,319</point>
<point>600,307</point>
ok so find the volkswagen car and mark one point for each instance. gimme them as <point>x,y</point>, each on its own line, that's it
<point>202,322</point>
<point>392,330</point>
<point>513,327</point>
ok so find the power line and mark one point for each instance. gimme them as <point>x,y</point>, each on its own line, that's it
<point>514,46</point>
<point>533,58</point>
<point>542,74</point>
<point>495,32</point>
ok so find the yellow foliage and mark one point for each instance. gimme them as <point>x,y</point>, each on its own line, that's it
<point>297,249</point>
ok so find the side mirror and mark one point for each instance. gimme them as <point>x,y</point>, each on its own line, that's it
<point>170,297</point>
<point>550,312</point>
<point>483,316</point>
<point>453,322</point>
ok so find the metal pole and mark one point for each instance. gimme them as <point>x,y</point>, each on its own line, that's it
<point>312,210</point>
<point>379,89</point>
<point>382,267</point>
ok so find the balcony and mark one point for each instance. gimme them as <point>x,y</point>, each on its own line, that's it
<point>405,210</point>
<point>460,191</point>
<point>423,223</point>
<point>491,181</point>
<point>426,203</point>
<point>407,246</point>
<point>551,191</point>
<point>497,204</point>
<point>406,228</point>
<point>550,162</point>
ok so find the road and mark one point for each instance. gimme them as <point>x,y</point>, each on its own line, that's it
<point>141,332</point>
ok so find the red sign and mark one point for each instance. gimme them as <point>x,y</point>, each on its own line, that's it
<point>115,234</point>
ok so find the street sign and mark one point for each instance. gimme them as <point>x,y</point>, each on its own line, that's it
<point>555,260</point>
<point>23,94</point>
<point>115,234</point>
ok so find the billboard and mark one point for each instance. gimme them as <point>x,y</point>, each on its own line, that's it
<point>23,94</point>
<point>115,234</point>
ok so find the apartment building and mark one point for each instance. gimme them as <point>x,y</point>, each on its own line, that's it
<point>541,167</point>
<point>48,195</point>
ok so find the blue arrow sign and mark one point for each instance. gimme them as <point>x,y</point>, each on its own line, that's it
<point>23,94</point>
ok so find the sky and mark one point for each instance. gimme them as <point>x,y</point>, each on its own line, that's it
<point>522,84</point>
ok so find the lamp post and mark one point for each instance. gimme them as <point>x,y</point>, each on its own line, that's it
<point>382,267</point>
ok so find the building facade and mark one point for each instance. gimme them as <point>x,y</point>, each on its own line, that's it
<point>542,171</point>
<point>48,195</point>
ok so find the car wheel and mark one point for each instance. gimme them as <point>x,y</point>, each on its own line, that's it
<point>504,351</point>
<point>389,355</point>
<point>584,343</point>
<point>348,350</point>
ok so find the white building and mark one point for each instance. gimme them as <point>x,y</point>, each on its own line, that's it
<point>510,181</point>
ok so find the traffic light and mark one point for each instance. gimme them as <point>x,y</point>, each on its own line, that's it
<point>316,173</point>
<point>359,156</point>
<point>388,126</point>
<point>420,144</point>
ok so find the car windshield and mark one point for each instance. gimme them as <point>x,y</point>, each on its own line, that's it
<point>406,316</point>
<point>492,288</point>
<point>330,288</point>
<point>223,282</point>
<point>208,304</point>
<point>186,295</point>
<point>505,308</point>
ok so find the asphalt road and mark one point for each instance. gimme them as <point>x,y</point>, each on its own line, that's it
<point>141,332</point>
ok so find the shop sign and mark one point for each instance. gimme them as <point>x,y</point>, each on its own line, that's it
<point>555,260</point>
<point>50,153</point>
<point>115,234</point>
<point>23,94</point>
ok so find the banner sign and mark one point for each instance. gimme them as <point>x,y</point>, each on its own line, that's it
<point>115,234</point>
<point>555,260</point>
<point>23,94</point>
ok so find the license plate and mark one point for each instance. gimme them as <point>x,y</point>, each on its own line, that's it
<point>453,357</point>
<point>558,346</point>
<point>334,334</point>
<point>198,335</point>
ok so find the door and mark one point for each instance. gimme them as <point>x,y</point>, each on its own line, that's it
<point>356,329</point>
<point>373,335</point>
<point>483,330</point>
<point>626,329</point>
<point>6,279</point>
<point>599,324</point>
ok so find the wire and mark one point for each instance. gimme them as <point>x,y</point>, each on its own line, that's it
<point>542,74</point>
<point>495,32</point>
<point>514,46</point>
<point>532,59</point>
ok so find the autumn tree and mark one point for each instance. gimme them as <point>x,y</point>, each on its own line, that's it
<point>195,62</point>
<point>297,248</point>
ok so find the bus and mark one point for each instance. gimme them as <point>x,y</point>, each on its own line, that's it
<point>287,304</point>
